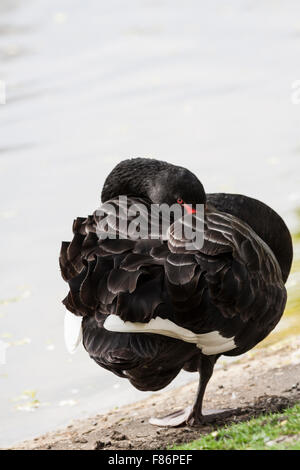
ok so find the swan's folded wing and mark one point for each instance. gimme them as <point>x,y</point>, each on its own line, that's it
<point>241,272</point>
<point>110,271</point>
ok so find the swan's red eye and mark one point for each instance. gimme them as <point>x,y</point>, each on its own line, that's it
<point>180,201</point>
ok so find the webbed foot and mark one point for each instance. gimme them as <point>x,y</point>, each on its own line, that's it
<point>188,417</point>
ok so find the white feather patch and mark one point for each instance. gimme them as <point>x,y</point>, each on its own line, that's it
<point>209,343</point>
<point>72,331</point>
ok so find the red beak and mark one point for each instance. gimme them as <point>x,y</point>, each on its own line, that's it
<point>189,209</point>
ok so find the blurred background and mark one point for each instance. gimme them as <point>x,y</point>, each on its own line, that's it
<point>207,85</point>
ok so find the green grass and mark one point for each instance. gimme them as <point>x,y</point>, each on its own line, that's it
<point>279,431</point>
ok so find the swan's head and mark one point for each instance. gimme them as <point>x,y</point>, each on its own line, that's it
<point>158,182</point>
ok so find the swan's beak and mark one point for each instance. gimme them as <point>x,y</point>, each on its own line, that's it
<point>189,209</point>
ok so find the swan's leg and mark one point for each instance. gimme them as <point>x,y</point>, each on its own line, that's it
<point>205,369</point>
<point>193,415</point>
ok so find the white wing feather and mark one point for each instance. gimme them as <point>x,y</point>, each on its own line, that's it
<point>72,331</point>
<point>209,343</point>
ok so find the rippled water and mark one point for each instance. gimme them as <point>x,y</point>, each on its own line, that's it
<point>203,84</point>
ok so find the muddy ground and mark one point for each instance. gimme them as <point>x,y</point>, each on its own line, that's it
<point>262,381</point>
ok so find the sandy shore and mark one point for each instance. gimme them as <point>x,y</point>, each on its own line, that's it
<point>262,381</point>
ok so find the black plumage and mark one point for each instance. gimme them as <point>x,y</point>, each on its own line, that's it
<point>233,284</point>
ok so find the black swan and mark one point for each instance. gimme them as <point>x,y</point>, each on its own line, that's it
<point>148,308</point>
